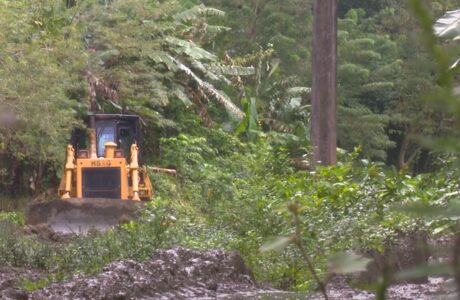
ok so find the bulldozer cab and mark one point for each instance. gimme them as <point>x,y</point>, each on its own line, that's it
<point>122,130</point>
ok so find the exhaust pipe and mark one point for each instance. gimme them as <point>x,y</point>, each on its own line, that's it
<point>92,137</point>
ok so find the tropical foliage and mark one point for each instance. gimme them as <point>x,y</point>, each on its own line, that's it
<point>223,91</point>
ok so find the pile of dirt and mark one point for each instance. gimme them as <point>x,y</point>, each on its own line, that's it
<point>177,273</point>
<point>42,231</point>
<point>46,233</point>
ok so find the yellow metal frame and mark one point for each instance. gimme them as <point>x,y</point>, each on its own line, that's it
<point>131,188</point>
<point>145,189</point>
<point>102,163</point>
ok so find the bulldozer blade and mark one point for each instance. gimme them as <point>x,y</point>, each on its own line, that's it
<point>82,215</point>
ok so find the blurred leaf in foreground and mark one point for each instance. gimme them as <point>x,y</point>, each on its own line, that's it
<point>277,244</point>
<point>348,262</point>
<point>437,270</point>
<point>451,211</point>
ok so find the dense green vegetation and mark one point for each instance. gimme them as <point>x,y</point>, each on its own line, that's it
<point>217,203</point>
<point>171,60</point>
<point>223,93</point>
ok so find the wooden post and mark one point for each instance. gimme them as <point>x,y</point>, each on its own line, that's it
<point>324,107</point>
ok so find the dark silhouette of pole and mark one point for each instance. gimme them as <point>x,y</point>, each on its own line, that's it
<point>324,87</point>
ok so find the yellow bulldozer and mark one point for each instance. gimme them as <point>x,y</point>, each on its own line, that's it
<point>104,180</point>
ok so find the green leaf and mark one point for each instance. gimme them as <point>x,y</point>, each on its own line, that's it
<point>249,123</point>
<point>278,244</point>
<point>451,211</point>
<point>345,263</point>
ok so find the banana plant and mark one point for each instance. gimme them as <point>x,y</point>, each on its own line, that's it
<point>157,56</point>
<point>448,28</point>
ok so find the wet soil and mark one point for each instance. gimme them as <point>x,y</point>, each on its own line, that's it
<point>10,282</point>
<point>46,233</point>
<point>79,216</point>
<point>177,273</point>
<point>180,273</point>
<point>435,288</point>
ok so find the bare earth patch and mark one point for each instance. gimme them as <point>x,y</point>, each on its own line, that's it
<point>180,273</point>
<point>170,274</point>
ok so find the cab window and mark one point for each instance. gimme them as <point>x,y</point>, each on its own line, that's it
<point>104,134</point>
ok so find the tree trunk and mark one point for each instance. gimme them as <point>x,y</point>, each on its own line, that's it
<point>408,150</point>
<point>323,122</point>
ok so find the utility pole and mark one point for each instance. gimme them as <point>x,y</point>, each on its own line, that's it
<point>323,132</point>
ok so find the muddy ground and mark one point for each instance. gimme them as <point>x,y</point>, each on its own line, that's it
<point>170,274</point>
<point>435,288</point>
<point>11,280</point>
<point>179,273</point>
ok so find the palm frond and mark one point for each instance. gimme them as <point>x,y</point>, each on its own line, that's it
<point>179,93</point>
<point>201,108</point>
<point>208,88</point>
<point>298,90</point>
<point>448,26</point>
<point>457,90</point>
<point>224,100</point>
<point>196,12</point>
<point>190,49</point>
<point>165,58</point>
<point>233,70</point>
<point>214,29</point>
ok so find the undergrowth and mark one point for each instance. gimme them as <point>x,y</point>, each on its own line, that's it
<point>13,217</point>
<point>234,195</point>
